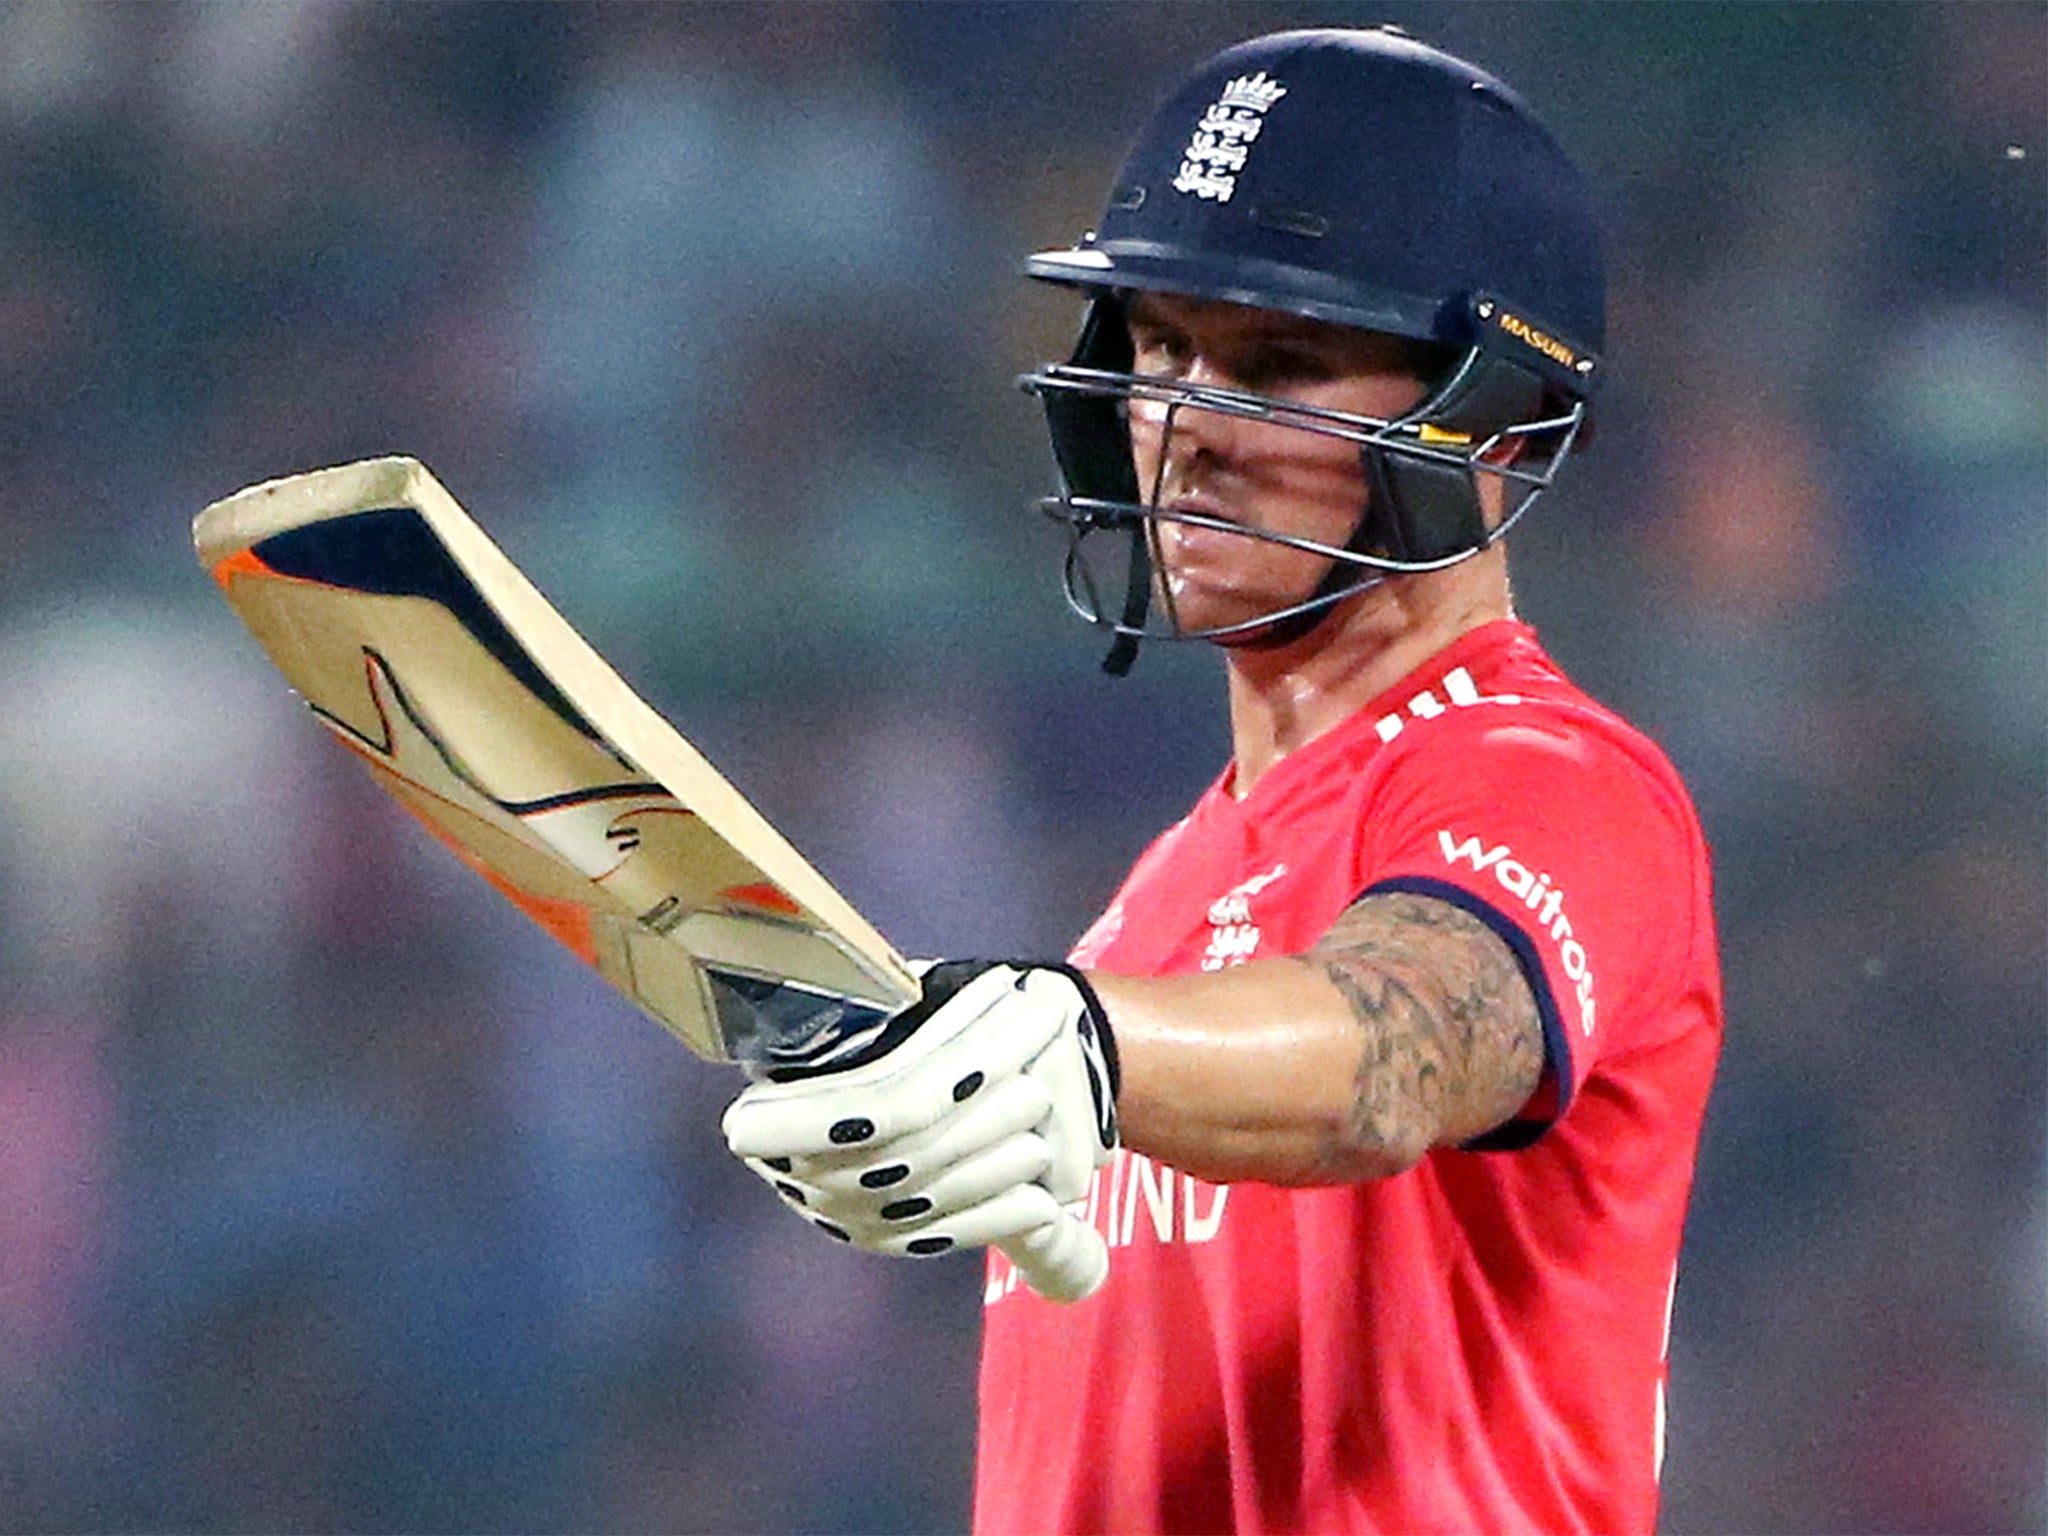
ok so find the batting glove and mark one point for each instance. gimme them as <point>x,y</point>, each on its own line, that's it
<point>977,1117</point>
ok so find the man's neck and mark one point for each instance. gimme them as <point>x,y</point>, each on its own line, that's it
<point>1282,699</point>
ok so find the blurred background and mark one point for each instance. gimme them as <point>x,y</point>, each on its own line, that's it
<point>332,1197</point>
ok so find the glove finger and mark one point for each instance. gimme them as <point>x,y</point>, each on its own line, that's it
<point>990,1150</point>
<point>1020,1160</point>
<point>857,1227</point>
<point>891,1097</point>
<point>1017,1210</point>
<point>886,1207</point>
<point>1009,1108</point>
<point>878,1215</point>
<point>786,1181</point>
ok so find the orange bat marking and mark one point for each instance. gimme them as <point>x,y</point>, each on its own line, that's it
<point>764,896</point>
<point>243,562</point>
<point>567,922</point>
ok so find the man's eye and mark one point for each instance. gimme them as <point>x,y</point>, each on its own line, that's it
<point>1269,370</point>
<point>1160,354</point>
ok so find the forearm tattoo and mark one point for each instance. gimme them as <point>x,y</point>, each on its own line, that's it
<point>1453,1043</point>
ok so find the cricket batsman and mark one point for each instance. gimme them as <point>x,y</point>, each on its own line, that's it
<point>1379,1082</point>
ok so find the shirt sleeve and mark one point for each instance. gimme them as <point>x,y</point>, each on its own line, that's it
<point>1563,843</point>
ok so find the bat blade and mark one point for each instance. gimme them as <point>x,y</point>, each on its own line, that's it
<point>428,654</point>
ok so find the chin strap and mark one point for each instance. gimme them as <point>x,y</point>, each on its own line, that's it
<point>1123,650</point>
<point>1091,442</point>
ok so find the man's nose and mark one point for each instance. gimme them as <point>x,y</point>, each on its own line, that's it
<point>1187,431</point>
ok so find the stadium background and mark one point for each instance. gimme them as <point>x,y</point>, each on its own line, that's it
<point>333,1198</point>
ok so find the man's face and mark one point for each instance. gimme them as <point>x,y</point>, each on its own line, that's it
<point>1253,474</point>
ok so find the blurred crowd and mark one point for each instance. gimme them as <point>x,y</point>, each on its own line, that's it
<point>334,1198</point>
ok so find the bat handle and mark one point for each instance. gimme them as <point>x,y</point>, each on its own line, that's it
<point>1064,1260</point>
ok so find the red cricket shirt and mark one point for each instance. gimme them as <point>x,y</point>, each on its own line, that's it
<point>1476,1345</point>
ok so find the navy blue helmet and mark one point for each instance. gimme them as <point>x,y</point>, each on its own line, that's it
<point>1363,179</point>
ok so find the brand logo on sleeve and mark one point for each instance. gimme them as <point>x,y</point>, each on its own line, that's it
<point>1535,892</point>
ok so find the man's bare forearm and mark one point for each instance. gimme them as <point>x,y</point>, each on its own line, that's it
<point>1409,1026</point>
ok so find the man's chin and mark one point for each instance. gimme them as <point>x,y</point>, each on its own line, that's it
<point>1221,604</point>
<point>1230,620</point>
<point>1240,622</point>
<point>1270,635</point>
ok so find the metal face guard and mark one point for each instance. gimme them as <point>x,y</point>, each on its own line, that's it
<point>1422,469</point>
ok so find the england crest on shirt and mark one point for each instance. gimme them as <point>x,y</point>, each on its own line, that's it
<point>1233,934</point>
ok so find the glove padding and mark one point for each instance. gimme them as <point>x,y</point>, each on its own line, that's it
<point>976,1118</point>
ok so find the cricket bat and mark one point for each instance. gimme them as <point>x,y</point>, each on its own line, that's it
<point>423,650</point>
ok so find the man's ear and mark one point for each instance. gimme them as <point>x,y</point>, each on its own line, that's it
<point>1505,452</point>
<point>1492,490</point>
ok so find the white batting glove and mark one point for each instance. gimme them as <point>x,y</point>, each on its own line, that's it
<point>976,1118</point>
